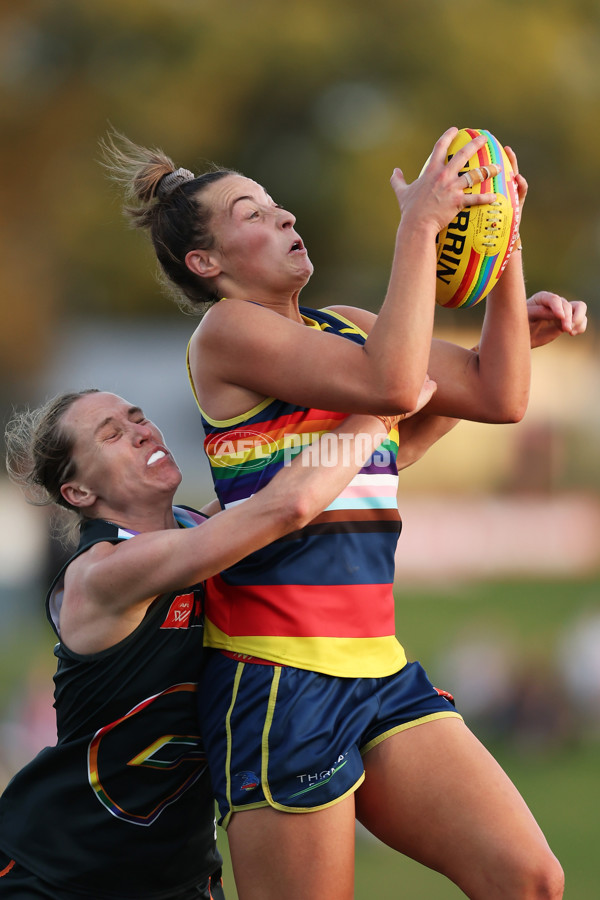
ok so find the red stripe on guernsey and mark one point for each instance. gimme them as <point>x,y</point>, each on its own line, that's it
<point>311,420</point>
<point>298,610</point>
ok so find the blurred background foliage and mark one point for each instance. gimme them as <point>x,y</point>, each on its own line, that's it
<point>319,101</point>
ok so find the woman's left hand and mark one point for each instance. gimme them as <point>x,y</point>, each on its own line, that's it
<point>551,315</point>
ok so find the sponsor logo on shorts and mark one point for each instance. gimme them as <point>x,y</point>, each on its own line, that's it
<point>311,780</point>
<point>249,781</point>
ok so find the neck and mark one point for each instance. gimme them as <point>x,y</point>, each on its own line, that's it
<point>139,520</point>
<point>283,304</point>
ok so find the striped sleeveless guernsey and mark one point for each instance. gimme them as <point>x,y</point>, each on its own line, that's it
<point>320,598</point>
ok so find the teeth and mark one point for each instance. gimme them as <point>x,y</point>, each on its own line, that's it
<point>158,454</point>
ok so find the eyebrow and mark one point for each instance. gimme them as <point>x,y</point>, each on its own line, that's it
<point>132,411</point>
<point>252,200</point>
<point>237,200</point>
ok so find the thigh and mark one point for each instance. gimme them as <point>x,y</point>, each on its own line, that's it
<point>434,793</point>
<point>279,855</point>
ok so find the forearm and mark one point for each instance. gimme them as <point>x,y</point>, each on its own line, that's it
<point>503,359</point>
<point>315,477</point>
<point>407,314</point>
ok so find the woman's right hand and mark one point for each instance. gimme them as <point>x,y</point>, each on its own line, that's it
<point>438,194</point>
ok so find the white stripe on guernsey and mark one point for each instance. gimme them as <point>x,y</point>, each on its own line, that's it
<point>372,478</point>
<point>369,491</point>
<point>364,503</point>
<point>122,533</point>
<point>362,485</point>
<point>237,502</point>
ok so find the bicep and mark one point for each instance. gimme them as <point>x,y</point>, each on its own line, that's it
<point>269,354</point>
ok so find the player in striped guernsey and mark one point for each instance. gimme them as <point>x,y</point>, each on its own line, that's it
<point>315,707</point>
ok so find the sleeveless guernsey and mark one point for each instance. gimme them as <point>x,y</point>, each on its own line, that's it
<point>121,806</point>
<point>320,598</point>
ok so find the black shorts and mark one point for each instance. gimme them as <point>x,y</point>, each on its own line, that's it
<point>17,883</point>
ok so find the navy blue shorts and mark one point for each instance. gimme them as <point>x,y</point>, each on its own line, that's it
<point>294,739</point>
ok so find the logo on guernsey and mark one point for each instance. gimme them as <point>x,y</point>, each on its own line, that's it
<point>180,611</point>
<point>246,449</point>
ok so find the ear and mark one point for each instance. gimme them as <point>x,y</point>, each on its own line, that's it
<point>203,263</point>
<point>78,495</point>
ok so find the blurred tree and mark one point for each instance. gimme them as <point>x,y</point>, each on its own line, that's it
<point>318,100</point>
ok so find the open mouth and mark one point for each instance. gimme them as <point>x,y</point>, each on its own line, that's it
<point>297,245</point>
<point>158,454</point>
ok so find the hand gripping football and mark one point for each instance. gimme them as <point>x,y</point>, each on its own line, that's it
<point>472,251</point>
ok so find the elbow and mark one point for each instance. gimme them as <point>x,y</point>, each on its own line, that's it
<point>510,412</point>
<point>296,511</point>
<point>396,399</point>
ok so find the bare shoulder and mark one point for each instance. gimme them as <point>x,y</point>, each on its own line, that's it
<point>85,567</point>
<point>94,614</point>
<point>230,316</point>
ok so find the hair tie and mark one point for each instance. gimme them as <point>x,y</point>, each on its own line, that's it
<point>172,180</point>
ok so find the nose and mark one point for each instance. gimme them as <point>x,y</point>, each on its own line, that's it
<point>141,433</point>
<point>286,219</point>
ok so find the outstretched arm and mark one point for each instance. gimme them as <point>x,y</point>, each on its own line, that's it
<point>116,578</point>
<point>549,315</point>
<point>229,348</point>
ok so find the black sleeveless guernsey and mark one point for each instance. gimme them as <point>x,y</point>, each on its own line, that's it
<point>121,806</point>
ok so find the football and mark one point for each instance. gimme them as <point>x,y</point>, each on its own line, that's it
<point>472,251</point>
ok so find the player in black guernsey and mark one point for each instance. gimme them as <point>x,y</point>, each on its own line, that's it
<point>126,783</point>
<point>121,807</point>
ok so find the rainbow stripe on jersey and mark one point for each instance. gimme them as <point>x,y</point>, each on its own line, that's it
<point>320,598</point>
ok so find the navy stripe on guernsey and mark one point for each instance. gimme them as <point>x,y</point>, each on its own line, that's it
<point>121,808</point>
<point>322,597</point>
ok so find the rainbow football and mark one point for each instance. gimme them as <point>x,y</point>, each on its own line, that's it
<point>473,250</point>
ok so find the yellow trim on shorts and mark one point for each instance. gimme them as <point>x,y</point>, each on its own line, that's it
<point>265,761</point>
<point>264,773</point>
<point>404,727</point>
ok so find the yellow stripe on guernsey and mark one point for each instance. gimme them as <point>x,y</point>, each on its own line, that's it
<point>320,598</point>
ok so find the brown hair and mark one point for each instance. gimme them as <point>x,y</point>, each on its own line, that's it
<point>39,454</point>
<point>167,202</point>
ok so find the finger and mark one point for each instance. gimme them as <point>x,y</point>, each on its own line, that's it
<point>580,326</point>
<point>567,317</point>
<point>579,309</point>
<point>397,177</point>
<point>546,305</point>
<point>512,159</point>
<point>440,149</point>
<point>477,176</point>
<point>522,188</point>
<point>462,156</point>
